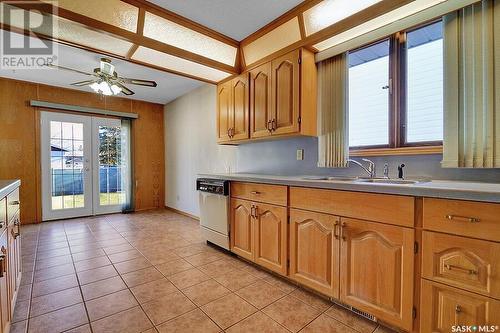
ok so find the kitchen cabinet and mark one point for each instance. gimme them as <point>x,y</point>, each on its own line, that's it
<point>314,251</point>
<point>469,264</point>
<point>260,101</point>
<point>5,306</point>
<point>285,112</point>
<point>10,256</point>
<point>277,98</point>
<point>224,111</point>
<point>242,228</point>
<point>445,307</point>
<point>233,109</point>
<point>376,272</point>
<point>270,235</point>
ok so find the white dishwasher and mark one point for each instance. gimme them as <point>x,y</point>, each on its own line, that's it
<point>214,210</point>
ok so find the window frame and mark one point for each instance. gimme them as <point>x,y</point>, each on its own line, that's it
<point>398,107</point>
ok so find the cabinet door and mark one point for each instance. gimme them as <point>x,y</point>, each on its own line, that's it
<point>271,237</point>
<point>285,93</point>
<point>242,228</point>
<point>4,285</point>
<point>11,264</point>
<point>376,271</point>
<point>443,307</point>
<point>224,111</point>
<point>240,102</point>
<point>260,101</point>
<point>314,251</point>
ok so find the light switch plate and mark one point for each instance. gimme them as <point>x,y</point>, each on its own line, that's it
<point>300,154</point>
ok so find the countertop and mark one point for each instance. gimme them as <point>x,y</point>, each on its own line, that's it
<point>7,186</point>
<point>462,190</point>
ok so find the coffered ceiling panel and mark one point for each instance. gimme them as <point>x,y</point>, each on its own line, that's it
<point>114,12</point>
<point>174,34</point>
<point>329,12</point>
<point>277,39</point>
<point>160,59</point>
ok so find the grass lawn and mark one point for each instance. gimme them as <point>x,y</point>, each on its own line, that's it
<point>76,201</point>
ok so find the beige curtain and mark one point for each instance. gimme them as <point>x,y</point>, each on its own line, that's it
<point>333,136</point>
<point>472,86</point>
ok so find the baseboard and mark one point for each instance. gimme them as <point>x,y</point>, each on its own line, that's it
<point>182,213</point>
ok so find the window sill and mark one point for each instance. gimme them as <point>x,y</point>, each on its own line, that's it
<point>423,150</point>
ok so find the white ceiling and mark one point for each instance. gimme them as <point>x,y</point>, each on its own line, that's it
<point>169,86</point>
<point>234,18</point>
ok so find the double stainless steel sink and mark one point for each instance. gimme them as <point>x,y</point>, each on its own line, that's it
<point>366,180</point>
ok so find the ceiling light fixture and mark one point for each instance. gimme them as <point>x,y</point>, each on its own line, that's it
<point>105,88</point>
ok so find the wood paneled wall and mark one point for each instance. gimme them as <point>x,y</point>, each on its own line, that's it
<point>20,139</point>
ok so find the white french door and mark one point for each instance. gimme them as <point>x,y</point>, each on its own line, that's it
<point>82,166</point>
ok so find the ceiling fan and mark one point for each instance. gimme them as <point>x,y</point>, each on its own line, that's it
<point>106,81</point>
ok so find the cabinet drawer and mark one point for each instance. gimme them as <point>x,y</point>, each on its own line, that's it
<point>392,209</point>
<point>443,307</point>
<point>466,263</point>
<point>464,218</point>
<point>274,194</point>
<point>12,204</point>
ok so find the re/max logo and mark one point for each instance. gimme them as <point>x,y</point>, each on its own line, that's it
<point>474,329</point>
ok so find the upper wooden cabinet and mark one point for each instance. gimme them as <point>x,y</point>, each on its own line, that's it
<point>232,109</point>
<point>280,100</point>
<point>376,270</point>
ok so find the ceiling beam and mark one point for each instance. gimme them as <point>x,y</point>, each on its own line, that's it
<point>134,38</point>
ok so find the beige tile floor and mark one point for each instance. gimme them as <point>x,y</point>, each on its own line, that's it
<point>151,272</point>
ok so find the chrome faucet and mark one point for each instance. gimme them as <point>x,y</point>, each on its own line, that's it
<point>371,166</point>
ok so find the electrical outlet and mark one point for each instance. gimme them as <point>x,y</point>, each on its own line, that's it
<point>300,154</point>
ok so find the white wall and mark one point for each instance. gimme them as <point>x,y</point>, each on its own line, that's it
<point>191,147</point>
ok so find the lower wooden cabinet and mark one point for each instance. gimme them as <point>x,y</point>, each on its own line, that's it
<point>5,306</point>
<point>443,308</point>
<point>376,270</point>
<point>242,228</point>
<point>270,235</point>
<point>259,233</point>
<point>314,251</point>
<point>14,257</point>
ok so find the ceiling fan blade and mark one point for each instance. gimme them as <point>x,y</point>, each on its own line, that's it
<point>83,83</point>
<point>70,70</point>
<point>125,90</point>
<point>145,83</point>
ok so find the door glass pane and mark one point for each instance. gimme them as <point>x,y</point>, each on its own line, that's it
<point>110,166</point>
<point>425,84</point>
<point>66,155</point>
<point>369,95</point>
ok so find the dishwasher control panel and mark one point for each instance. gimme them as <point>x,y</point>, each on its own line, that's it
<point>215,186</point>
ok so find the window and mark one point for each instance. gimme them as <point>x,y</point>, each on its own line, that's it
<point>424,82</point>
<point>368,96</point>
<point>396,90</point>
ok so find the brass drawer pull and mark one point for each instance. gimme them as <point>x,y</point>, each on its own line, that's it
<point>462,269</point>
<point>458,309</point>
<point>336,230</point>
<point>462,218</point>
<point>3,254</point>
<point>269,126</point>
<point>255,192</point>
<point>252,211</point>
<point>15,203</point>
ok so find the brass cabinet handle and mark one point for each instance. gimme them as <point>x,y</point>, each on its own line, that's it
<point>232,132</point>
<point>269,126</point>
<point>336,230</point>
<point>228,134</point>
<point>274,124</point>
<point>462,269</point>
<point>15,203</point>
<point>343,226</point>
<point>3,255</point>
<point>462,218</point>
<point>16,233</point>
<point>458,309</point>
<point>252,214</point>
<point>255,192</point>
<point>256,211</point>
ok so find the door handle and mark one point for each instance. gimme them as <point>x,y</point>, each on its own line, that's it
<point>274,124</point>
<point>461,269</point>
<point>343,226</point>
<point>3,254</point>
<point>269,126</point>
<point>462,218</point>
<point>336,230</point>
<point>256,212</point>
